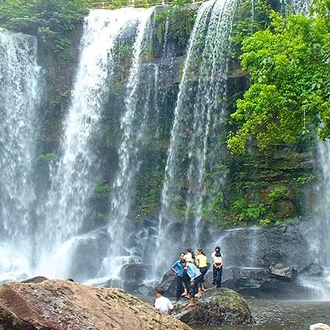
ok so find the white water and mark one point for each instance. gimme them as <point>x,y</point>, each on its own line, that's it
<point>319,235</point>
<point>301,6</point>
<point>134,128</point>
<point>19,97</point>
<point>297,6</point>
<point>196,128</point>
<point>75,175</point>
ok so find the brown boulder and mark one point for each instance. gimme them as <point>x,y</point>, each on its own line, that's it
<point>60,305</point>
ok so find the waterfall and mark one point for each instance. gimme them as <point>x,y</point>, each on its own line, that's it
<point>75,175</point>
<point>318,233</point>
<point>298,6</point>
<point>320,241</point>
<point>19,97</point>
<point>301,6</point>
<point>195,149</point>
<point>140,107</point>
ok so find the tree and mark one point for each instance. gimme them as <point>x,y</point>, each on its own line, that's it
<point>288,98</point>
<point>50,20</point>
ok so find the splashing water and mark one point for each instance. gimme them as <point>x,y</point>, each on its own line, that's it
<point>19,98</point>
<point>199,117</point>
<point>139,102</point>
<point>75,175</point>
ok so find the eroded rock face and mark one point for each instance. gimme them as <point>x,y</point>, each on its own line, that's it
<point>58,305</point>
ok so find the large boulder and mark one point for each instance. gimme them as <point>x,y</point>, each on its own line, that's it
<point>58,304</point>
<point>217,307</point>
<point>283,272</point>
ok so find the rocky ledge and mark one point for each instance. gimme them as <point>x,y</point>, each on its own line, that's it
<point>62,305</point>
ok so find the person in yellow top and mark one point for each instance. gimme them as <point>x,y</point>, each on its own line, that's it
<point>201,261</point>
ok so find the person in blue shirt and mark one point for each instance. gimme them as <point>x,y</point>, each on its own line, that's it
<point>177,269</point>
<point>195,277</point>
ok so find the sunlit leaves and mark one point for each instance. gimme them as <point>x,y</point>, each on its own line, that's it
<point>290,83</point>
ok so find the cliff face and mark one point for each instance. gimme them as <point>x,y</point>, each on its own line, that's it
<point>260,188</point>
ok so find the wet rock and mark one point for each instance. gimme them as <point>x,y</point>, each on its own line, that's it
<point>312,270</point>
<point>281,271</point>
<point>216,307</point>
<point>133,275</point>
<point>58,305</point>
<point>168,283</point>
<point>36,279</point>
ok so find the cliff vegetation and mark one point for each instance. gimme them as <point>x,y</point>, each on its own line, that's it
<point>279,84</point>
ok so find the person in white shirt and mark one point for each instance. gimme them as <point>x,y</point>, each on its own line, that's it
<point>190,256</point>
<point>217,261</point>
<point>162,303</point>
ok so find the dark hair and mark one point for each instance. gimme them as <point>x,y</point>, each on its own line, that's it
<point>217,248</point>
<point>200,250</point>
<point>160,290</point>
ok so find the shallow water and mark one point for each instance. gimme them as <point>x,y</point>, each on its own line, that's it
<point>282,315</point>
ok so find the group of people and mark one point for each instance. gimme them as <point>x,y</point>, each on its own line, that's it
<point>190,270</point>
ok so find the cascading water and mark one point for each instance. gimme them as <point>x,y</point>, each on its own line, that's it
<point>322,253</point>
<point>298,6</point>
<point>140,107</point>
<point>301,6</point>
<point>199,116</point>
<point>75,175</point>
<point>194,163</point>
<point>19,97</point>
<point>318,235</point>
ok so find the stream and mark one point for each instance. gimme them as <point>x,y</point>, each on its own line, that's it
<point>282,315</point>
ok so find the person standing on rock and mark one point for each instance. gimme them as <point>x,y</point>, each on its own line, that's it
<point>177,269</point>
<point>217,261</point>
<point>195,277</point>
<point>201,262</point>
<point>162,303</point>
<point>190,256</point>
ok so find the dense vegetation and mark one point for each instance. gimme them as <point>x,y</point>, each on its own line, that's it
<point>50,20</point>
<point>290,78</point>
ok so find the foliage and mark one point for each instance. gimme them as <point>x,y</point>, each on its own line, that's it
<point>290,79</point>
<point>148,192</point>
<point>102,187</point>
<point>251,16</point>
<point>180,21</point>
<point>278,193</point>
<point>47,157</point>
<point>247,212</point>
<point>50,20</point>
